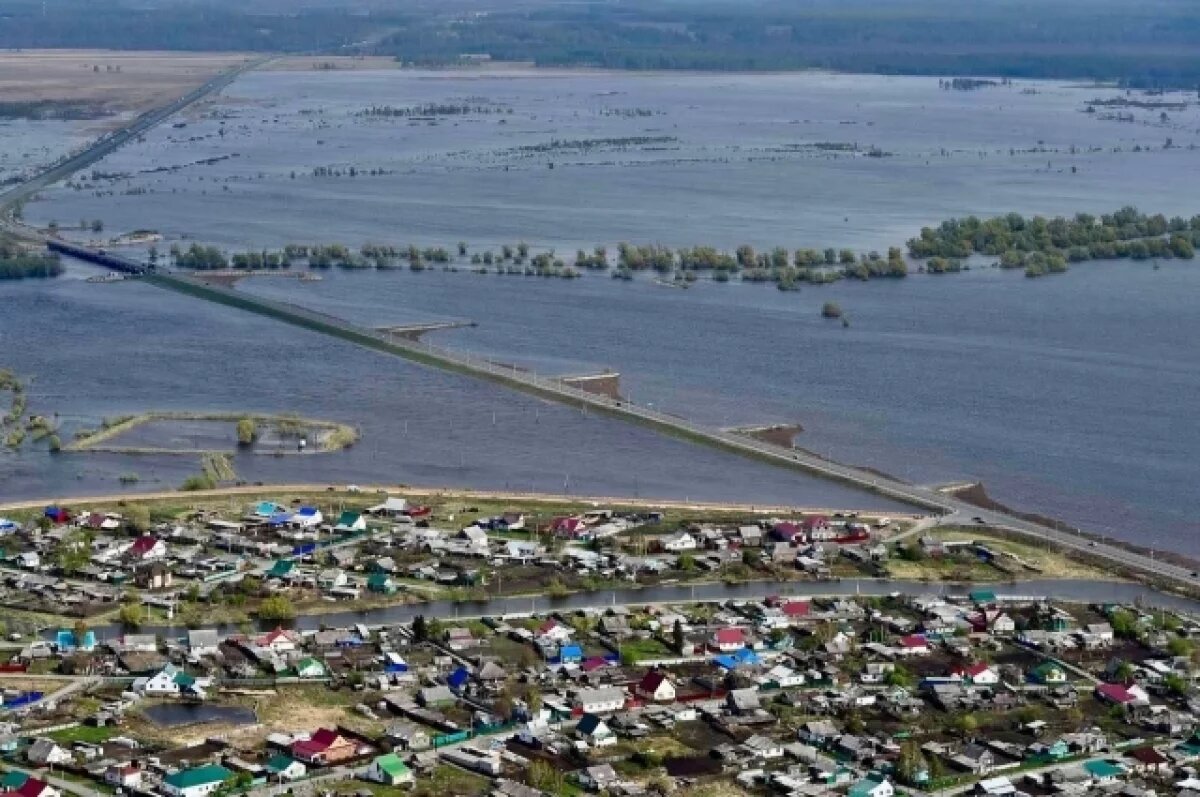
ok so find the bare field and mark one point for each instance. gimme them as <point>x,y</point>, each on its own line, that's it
<point>103,82</point>
<point>330,63</point>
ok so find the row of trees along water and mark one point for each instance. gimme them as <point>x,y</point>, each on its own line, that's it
<point>1046,246</point>
<point>18,262</point>
<point>1038,245</point>
<point>779,265</point>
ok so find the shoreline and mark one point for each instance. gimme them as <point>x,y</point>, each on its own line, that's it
<point>434,491</point>
<point>976,494</point>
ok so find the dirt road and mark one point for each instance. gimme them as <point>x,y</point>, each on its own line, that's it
<point>418,493</point>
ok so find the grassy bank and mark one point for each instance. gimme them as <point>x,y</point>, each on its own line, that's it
<point>1017,559</point>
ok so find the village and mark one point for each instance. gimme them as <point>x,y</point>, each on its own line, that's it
<point>361,643</point>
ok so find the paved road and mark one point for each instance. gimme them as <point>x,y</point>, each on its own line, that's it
<point>107,144</point>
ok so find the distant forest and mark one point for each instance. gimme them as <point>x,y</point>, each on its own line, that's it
<point>1145,44</point>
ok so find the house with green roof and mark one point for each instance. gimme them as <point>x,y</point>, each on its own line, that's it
<point>390,770</point>
<point>1055,751</point>
<point>982,597</point>
<point>382,583</point>
<point>283,767</point>
<point>311,668</point>
<point>1048,673</point>
<point>872,786</point>
<point>197,781</point>
<point>172,682</point>
<point>1187,750</point>
<point>266,509</point>
<point>349,522</point>
<point>1102,771</point>
<point>281,569</point>
<point>13,780</point>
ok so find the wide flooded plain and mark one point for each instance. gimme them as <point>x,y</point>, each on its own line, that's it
<point>1071,396</point>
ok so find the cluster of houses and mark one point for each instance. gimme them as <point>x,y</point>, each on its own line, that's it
<point>864,697</point>
<point>78,563</point>
<point>582,689</point>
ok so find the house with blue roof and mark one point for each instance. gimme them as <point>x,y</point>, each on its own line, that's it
<point>308,517</point>
<point>458,679</point>
<point>741,658</point>
<point>56,514</point>
<point>595,731</point>
<point>569,654</point>
<point>67,639</point>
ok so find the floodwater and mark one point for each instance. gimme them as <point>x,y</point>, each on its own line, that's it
<point>1081,591</point>
<point>1071,396</point>
<point>679,159</point>
<point>93,351</point>
<point>171,715</point>
<point>1062,395</point>
<point>27,146</point>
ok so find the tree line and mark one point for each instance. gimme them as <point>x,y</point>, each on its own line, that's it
<point>1047,245</point>
<point>1146,44</point>
<point>1037,244</point>
<point>17,262</point>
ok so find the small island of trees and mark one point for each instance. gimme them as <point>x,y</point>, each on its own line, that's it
<point>1046,246</point>
<point>18,262</point>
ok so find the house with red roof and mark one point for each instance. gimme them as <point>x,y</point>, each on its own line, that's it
<point>978,674</point>
<point>281,640</point>
<point>1122,695</point>
<point>817,528</point>
<point>127,776</point>
<point>655,685</point>
<point>573,527</point>
<point>325,747</point>
<point>593,663</point>
<point>553,631</point>
<point>730,639</point>
<point>146,548</point>
<point>1147,761</point>
<point>794,610</point>
<point>56,514</point>
<point>101,522</point>
<point>35,787</point>
<point>913,645</point>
